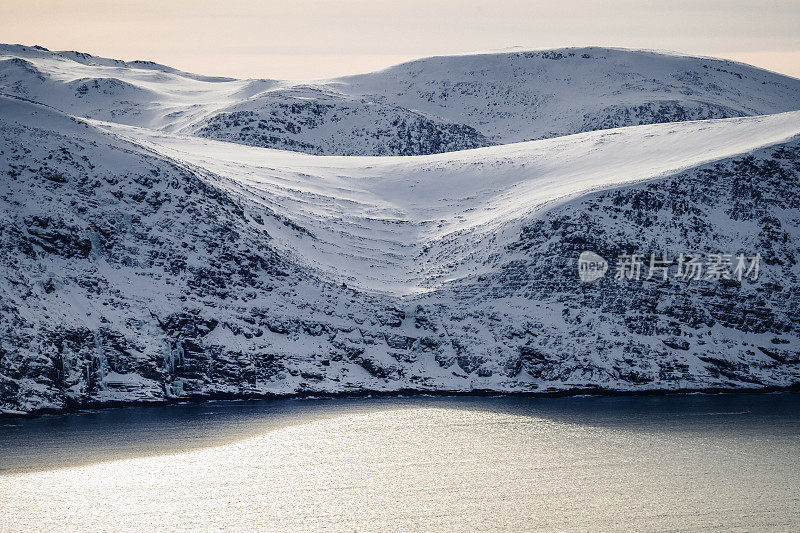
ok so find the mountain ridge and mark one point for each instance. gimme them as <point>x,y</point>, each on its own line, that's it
<point>429,105</point>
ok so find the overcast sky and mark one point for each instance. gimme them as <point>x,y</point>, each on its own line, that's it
<point>314,39</point>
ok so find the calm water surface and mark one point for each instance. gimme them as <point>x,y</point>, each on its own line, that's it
<point>668,463</point>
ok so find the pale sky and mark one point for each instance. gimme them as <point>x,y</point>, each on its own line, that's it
<point>291,39</point>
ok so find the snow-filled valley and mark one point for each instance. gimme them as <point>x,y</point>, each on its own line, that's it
<point>403,225</point>
<point>163,235</point>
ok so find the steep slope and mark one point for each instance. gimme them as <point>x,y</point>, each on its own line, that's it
<point>139,265</point>
<point>94,233</point>
<point>428,106</point>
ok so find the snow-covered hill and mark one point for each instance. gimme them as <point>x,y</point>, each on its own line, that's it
<point>427,106</point>
<point>403,225</point>
<point>144,264</point>
<point>520,96</point>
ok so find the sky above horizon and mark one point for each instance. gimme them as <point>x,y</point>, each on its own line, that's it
<point>303,39</point>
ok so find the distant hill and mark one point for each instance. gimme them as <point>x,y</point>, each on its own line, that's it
<point>432,105</point>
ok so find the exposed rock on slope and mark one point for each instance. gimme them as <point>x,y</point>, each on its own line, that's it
<point>128,273</point>
<point>318,122</point>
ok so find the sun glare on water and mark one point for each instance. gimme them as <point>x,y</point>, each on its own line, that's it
<point>402,469</point>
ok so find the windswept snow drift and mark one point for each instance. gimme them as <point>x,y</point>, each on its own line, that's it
<point>139,262</point>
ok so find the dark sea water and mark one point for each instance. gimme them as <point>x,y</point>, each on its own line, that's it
<point>657,463</point>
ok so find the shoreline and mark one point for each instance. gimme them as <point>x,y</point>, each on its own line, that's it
<point>368,393</point>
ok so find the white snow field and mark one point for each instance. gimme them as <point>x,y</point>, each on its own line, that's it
<point>403,225</point>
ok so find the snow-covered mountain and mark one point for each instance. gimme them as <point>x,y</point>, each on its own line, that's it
<point>141,260</point>
<point>427,106</point>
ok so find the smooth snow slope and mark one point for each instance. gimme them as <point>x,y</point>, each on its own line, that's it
<point>404,225</point>
<point>142,93</point>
